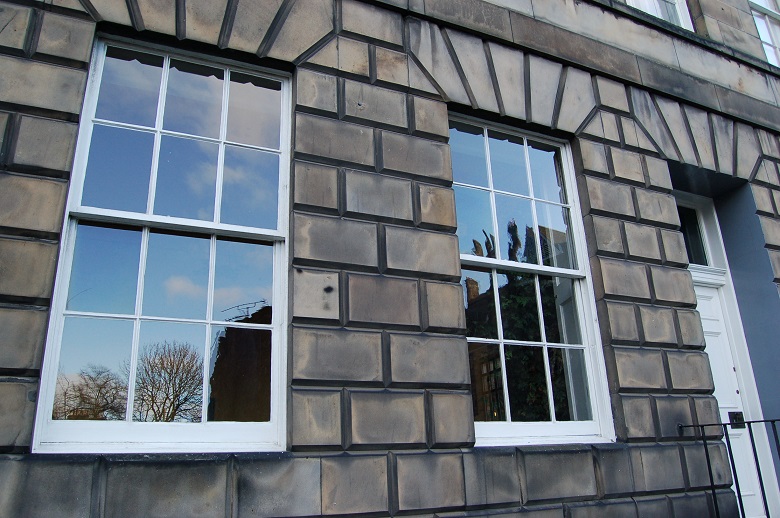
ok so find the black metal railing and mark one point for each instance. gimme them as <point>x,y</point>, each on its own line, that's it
<point>737,422</point>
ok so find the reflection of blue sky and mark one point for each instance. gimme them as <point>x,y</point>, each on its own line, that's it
<point>129,88</point>
<point>176,277</point>
<point>186,178</point>
<point>118,169</point>
<point>510,208</point>
<point>153,333</point>
<point>250,188</point>
<point>507,163</point>
<point>545,173</point>
<point>254,112</point>
<point>468,156</point>
<point>96,341</point>
<point>193,102</point>
<point>474,216</point>
<point>105,270</point>
<point>244,275</point>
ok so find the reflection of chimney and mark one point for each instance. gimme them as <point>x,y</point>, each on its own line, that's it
<point>472,289</point>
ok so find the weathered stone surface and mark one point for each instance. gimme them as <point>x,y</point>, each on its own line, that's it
<point>642,242</point>
<point>364,102</point>
<point>158,16</point>
<point>21,343</point>
<point>45,144</point>
<point>316,185</point>
<point>656,207</point>
<point>354,484</point>
<point>452,419</point>
<point>387,418</point>
<point>578,100</point>
<point>316,91</point>
<point>707,413</point>
<point>690,371</point>
<point>616,508</point>
<point>673,411</point>
<point>613,278</point>
<point>696,463</point>
<point>609,123</point>
<point>509,66</point>
<point>204,20</point>
<point>650,506</point>
<point>470,53</point>
<point>619,322</point>
<point>603,236</point>
<point>637,417</point>
<point>17,408</point>
<point>612,94</point>
<point>544,76</point>
<point>672,286</point>
<point>702,136</point>
<point>419,81</point>
<point>315,294</point>
<point>605,197</point>
<point>61,487</point>
<point>392,67</point>
<point>723,130</point>
<point>251,23</point>
<point>763,199</point>
<point>284,487</point>
<point>590,157</point>
<point>307,23</point>
<point>770,145</point>
<point>675,253</point>
<point>658,174</point>
<point>410,250</point>
<point>316,419</point>
<point>748,151</point>
<point>672,114</point>
<point>378,195</point>
<point>771,229</point>
<point>479,16</point>
<point>613,470</point>
<point>444,306</point>
<point>372,22</point>
<point>427,44</point>
<point>112,11</point>
<point>374,300</point>
<point>627,166</point>
<point>639,369</point>
<point>656,467</point>
<point>430,481</point>
<point>630,132</point>
<point>335,240</point>
<point>32,264</point>
<point>648,116</point>
<point>14,20</point>
<point>774,258</point>
<point>427,359</point>
<point>691,331</point>
<point>328,354</point>
<point>437,207</point>
<point>416,156</point>
<point>430,117</point>
<point>347,142</point>
<point>491,477</point>
<point>31,203</point>
<point>542,479</point>
<point>658,325</point>
<point>353,57</point>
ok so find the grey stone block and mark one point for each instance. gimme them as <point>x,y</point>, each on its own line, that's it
<point>628,166</point>
<point>673,286</point>
<point>328,55</point>
<point>14,20</point>
<point>727,502</point>
<point>590,157</point>
<point>544,76</point>
<point>770,144</point>
<point>673,411</point>
<point>306,24</point>
<point>478,16</point>
<point>623,508</point>
<point>774,258</point>
<point>691,331</point>
<point>285,487</point>
<point>639,369</point>
<point>333,355</point>
<point>192,488</point>
<point>763,199</point>
<point>353,57</point>
<point>470,53</point>
<point>427,44</point>
<point>702,136</point>
<point>354,484</point>
<point>612,94</point>
<point>374,300</point>
<point>690,371</point>
<point>603,236</point>
<point>316,91</point>
<point>657,468</point>
<point>372,22</point>
<point>391,67</point>
<point>613,470</point>
<point>642,242</point>
<point>430,117</point>
<point>378,195</point>
<point>767,174</point>
<point>509,66</point>
<point>32,264</point>
<point>69,4</point>
<point>672,114</point>
<point>630,132</point>
<point>66,37</point>
<point>347,142</point>
<point>315,294</point>
<point>158,16</point>
<point>45,487</point>
<point>696,463</point>
<point>658,325</point>
<point>387,419</point>
<point>577,101</point>
<point>364,102</point>
<point>426,359</point>
<point>343,241</point>
<point>619,323</point>
<point>646,113</point>
<point>706,412</point>
<point>723,131</point>
<point>658,177</point>
<point>17,408</point>
<point>316,418</point>
<point>31,203</point>
<point>204,20</point>
<point>437,207</point>
<point>430,481</point>
<point>748,151</point>
<point>637,422</point>
<point>491,477</point>
<point>21,343</point>
<point>675,252</point>
<point>690,504</point>
<point>609,123</point>
<point>539,511</point>
<point>543,479</point>
<point>112,11</point>
<point>44,143</point>
<point>771,229</point>
<point>411,251</point>
<point>251,23</point>
<point>605,197</point>
<point>452,419</point>
<point>656,207</point>
<point>416,156</point>
<point>652,506</point>
<point>618,279</point>
<point>444,306</point>
<point>316,185</point>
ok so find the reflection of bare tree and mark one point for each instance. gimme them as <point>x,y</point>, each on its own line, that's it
<point>96,394</point>
<point>169,383</point>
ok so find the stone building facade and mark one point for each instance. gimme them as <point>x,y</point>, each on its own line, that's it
<point>376,410</point>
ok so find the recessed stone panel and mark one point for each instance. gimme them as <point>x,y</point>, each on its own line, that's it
<point>374,104</point>
<point>444,306</point>
<point>416,156</point>
<point>316,91</point>
<point>656,207</point>
<point>615,278</point>
<point>315,418</point>
<point>14,19</point>
<point>627,166</point>
<point>342,241</point>
<point>544,76</point>
<point>612,94</point>
<point>452,419</point>
<point>430,117</point>
<point>543,479</point>
<point>640,369</point>
<point>509,65</point>
<point>690,371</point>
<point>606,197</point>
<point>354,484</point>
<point>410,250</point>
<point>315,294</point>
<point>21,342</point>
<point>392,67</point>
<point>285,487</point>
<point>470,53</point>
<point>306,24</point>
<point>372,22</point>
<point>347,142</point>
<point>578,100</point>
<point>61,487</point>
<point>316,185</point>
<point>673,286</point>
<point>642,242</point>
<point>378,195</point>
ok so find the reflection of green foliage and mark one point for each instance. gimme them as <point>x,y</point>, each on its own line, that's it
<point>526,383</point>
<point>560,394</point>
<point>518,308</point>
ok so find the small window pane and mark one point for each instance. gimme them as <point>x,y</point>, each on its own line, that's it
<point>186,178</point>
<point>559,307</point>
<point>526,383</point>
<point>240,375</point>
<point>507,163</point>
<point>480,305</point>
<point>243,283</point>
<point>104,275</point>
<point>194,100</point>
<point>517,239</point>
<point>694,244</point>
<point>555,235</point>
<point>548,184</point>
<point>94,364</point>
<point>467,146</point>
<point>130,87</point>
<point>519,311</point>
<point>487,385</point>
<point>570,387</point>
<point>250,188</point>
<point>254,111</point>
<point>475,232</point>
<point>169,373</point>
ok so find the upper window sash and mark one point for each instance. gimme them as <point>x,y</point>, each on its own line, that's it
<point>673,11</point>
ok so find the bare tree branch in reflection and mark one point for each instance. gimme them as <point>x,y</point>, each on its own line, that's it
<point>169,383</point>
<point>97,393</point>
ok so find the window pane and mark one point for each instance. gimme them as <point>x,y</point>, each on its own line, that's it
<point>104,275</point>
<point>548,184</point>
<point>516,237</point>
<point>480,305</point>
<point>475,231</point>
<point>130,87</point>
<point>118,169</point>
<point>694,243</point>
<point>467,146</point>
<point>240,375</point>
<point>763,29</point>
<point>526,383</point>
<point>559,307</point>
<point>668,11</point>
<point>169,373</point>
<point>194,100</point>
<point>555,234</point>
<point>570,384</point>
<point>92,375</point>
<point>243,283</point>
<point>250,188</point>
<point>519,312</point>
<point>177,275</point>
<point>254,111</point>
<point>487,385</point>
<point>186,178</point>
<point>507,163</point>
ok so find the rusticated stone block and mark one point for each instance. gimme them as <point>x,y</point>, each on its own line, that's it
<point>763,199</point>
<point>639,369</point>
<point>656,207</point>
<point>430,117</point>
<point>21,342</point>
<point>577,100</point>
<point>691,331</point>
<point>642,242</point>
<point>469,52</point>
<point>347,142</point>
<point>410,250</point>
<point>657,467</point>
<point>485,18</point>
<point>387,418</point>
<point>696,463</point>
<point>673,286</point>
<point>444,306</point>
<point>658,177</point>
<point>590,157</point>
<point>650,506</point>
<point>316,91</point>
<point>452,419</point>
<point>437,207</point>
<point>637,417</point>
<point>41,85</point>
<point>315,294</point>
<point>192,488</point>
<point>690,371</point>
<point>543,479</point>
<point>353,56</point>
<point>673,411</point>
<point>658,325</point>
<point>378,195</point>
<point>286,487</point>
<point>627,166</point>
<point>748,150</point>
<point>416,156</point>
<point>316,418</point>
<point>61,487</point>
<point>509,65</point>
<point>426,359</point>
<point>430,481</point>
<point>618,508</point>
<point>613,278</point>
<point>335,240</point>
<point>774,259</point>
<point>32,264</point>
<point>706,412</point>
<point>690,504</point>
<point>619,322</point>
<point>605,197</point>
<point>45,143</point>
<point>603,236</point>
<point>306,24</point>
<point>363,102</point>
<point>251,22</point>
<point>327,354</point>
<point>392,67</point>
<point>609,123</point>
<point>14,19</point>
<point>66,37</point>
<point>354,484</point>
<point>375,299</point>
<point>612,94</point>
<point>161,16</point>
<point>491,477</point>
<point>204,20</point>
<point>771,230</point>
<point>372,22</point>
<point>31,203</point>
<point>613,470</point>
<point>316,185</point>
<point>544,77</point>
<point>675,253</point>
<point>17,410</point>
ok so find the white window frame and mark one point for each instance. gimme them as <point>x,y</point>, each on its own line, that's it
<point>601,428</point>
<point>62,436</point>
<point>767,12</point>
<point>652,7</point>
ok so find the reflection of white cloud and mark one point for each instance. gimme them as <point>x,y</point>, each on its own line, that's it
<point>252,187</point>
<point>180,286</point>
<point>254,114</point>
<point>194,103</point>
<point>202,179</point>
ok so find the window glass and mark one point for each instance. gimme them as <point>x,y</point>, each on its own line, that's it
<point>691,231</point>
